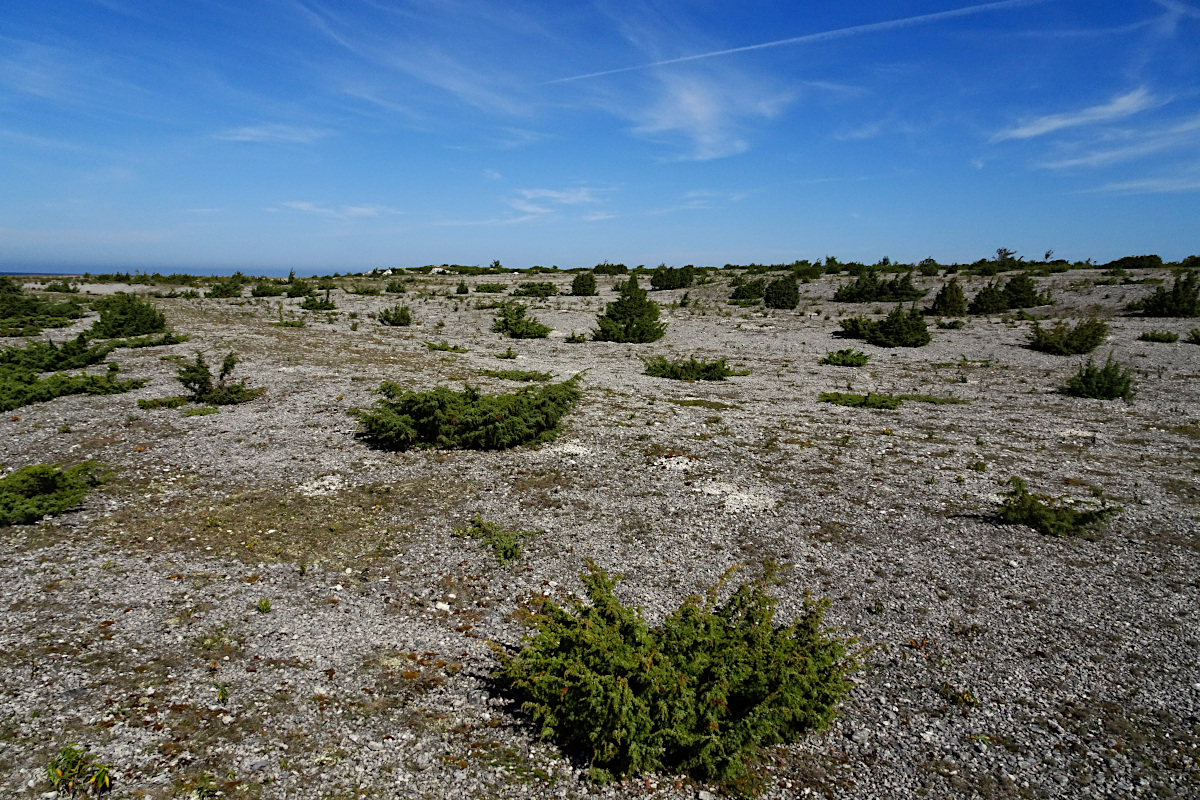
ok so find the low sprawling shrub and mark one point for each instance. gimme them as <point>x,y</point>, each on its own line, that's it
<point>490,288</point>
<point>989,300</point>
<point>26,315</point>
<point>950,324</point>
<point>442,418</point>
<point>782,293</point>
<point>848,357</point>
<point>226,287</point>
<point>949,301</point>
<point>1044,515</point>
<point>446,347</point>
<point>1063,340</point>
<point>535,290</point>
<point>74,771</point>
<point>43,490</point>
<point>395,316</point>
<point>868,400</point>
<point>61,287</point>
<point>1019,292</point>
<point>745,291</point>
<point>268,289</point>
<point>670,278</point>
<point>583,285</point>
<point>396,286</point>
<point>313,303</point>
<point>513,323</point>
<point>1163,337</point>
<point>21,387</point>
<point>609,269</point>
<point>1193,336</point>
<point>302,288</point>
<point>126,315</point>
<point>701,695</point>
<point>505,544</point>
<point>1109,382</point>
<point>48,357</point>
<point>868,288</point>
<point>462,288</point>
<point>197,379</point>
<point>632,317</point>
<point>899,329</point>
<point>524,376</point>
<point>367,290</point>
<point>689,370</point>
<point>1181,300</point>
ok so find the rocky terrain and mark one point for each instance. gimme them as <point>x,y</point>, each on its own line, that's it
<point>257,604</point>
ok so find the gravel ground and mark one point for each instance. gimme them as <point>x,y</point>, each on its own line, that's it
<point>998,662</point>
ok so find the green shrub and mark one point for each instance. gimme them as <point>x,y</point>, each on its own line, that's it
<point>584,285</point>
<point>782,293</point>
<point>576,338</point>
<point>929,268</point>
<point>899,329</point>
<point>525,376</point>
<point>48,357</point>
<point>950,325</point>
<point>490,288</point>
<point>268,289</point>
<point>446,347</point>
<point>395,316</point>
<point>513,323</point>
<point>441,418</point>
<point>509,353</point>
<point>689,370</point>
<point>1193,336</point>
<point>21,387</point>
<point>148,341</point>
<point>868,288</point>
<point>609,269</point>
<point>631,318</point>
<point>949,301</point>
<point>989,300</point>
<point>61,287</point>
<point>702,695</point>
<point>669,278</point>
<point>367,290</point>
<point>505,544</point>
<point>299,288</point>
<point>125,315</point>
<point>1021,292</point>
<point>1101,383</point>
<point>162,402</point>
<point>74,771</point>
<point>869,400</point>
<point>535,290</point>
<point>197,379</point>
<point>396,286</point>
<point>744,290</point>
<point>845,358</point>
<point>311,303</point>
<point>1022,508</point>
<point>227,287</point>
<point>1061,340</point>
<point>26,315</point>
<point>44,490</point>
<point>1164,337</point>
<point>1181,300</point>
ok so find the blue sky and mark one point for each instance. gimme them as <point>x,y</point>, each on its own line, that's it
<point>372,133</point>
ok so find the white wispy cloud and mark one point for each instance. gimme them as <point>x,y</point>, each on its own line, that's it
<point>1176,184</point>
<point>1118,108</point>
<point>598,216</point>
<point>1183,9</point>
<point>814,38</point>
<point>273,133</point>
<point>344,213</point>
<point>1180,135</point>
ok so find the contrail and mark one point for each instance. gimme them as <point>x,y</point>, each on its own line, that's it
<point>1179,8</point>
<point>811,38</point>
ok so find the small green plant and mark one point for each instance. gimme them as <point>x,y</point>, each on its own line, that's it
<point>689,370</point>
<point>1163,337</point>
<point>525,376</point>
<point>1063,340</point>
<point>963,698</point>
<point>1047,516</point>
<point>268,289</point>
<point>445,347</point>
<point>898,329</point>
<point>222,691</point>
<point>700,695</point>
<point>75,771</point>
<point>513,323</point>
<point>576,338</point>
<point>395,286</point>
<point>161,402</point>
<point>298,288</point>
<point>535,290</point>
<point>126,315</point>
<point>197,379</point>
<point>368,291</point>
<point>442,418</point>
<point>1181,300</point>
<point>631,318</point>
<point>1193,336</point>
<point>226,287</point>
<point>1109,382</point>
<point>200,411</point>
<point>583,285</point>
<point>490,288</point>
<point>264,605</point>
<point>950,325</point>
<point>311,303</point>
<point>869,400</point>
<point>949,301</point>
<point>845,358</point>
<point>462,288</point>
<point>43,490</point>
<point>61,287</point>
<point>505,544</point>
<point>395,316</point>
<point>507,354</point>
